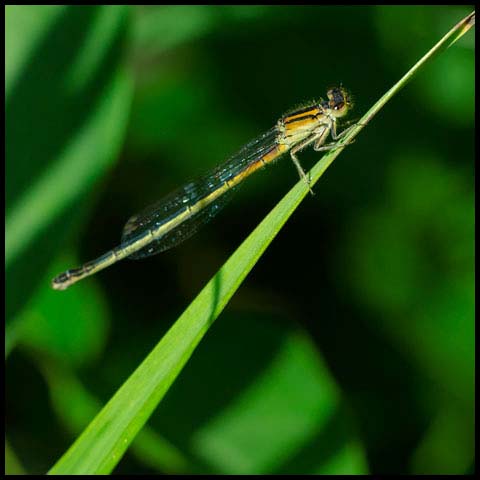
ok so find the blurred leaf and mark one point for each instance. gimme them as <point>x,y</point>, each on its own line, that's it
<point>66,111</point>
<point>76,339</point>
<point>164,27</point>
<point>422,240</point>
<point>33,25</point>
<point>281,411</point>
<point>12,464</point>
<point>448,446</point>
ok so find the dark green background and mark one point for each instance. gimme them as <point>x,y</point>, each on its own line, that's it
<point>371,280</point>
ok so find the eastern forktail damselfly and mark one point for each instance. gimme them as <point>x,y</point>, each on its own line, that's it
<point>180,214</point>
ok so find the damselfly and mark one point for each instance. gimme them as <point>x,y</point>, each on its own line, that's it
<point>180,214</point>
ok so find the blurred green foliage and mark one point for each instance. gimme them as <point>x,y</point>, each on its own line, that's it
<point>350,348</point>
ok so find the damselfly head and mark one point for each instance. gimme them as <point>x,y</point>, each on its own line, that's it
<point>339,101</point>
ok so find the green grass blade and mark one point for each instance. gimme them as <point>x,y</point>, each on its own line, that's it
<point>105,440</point>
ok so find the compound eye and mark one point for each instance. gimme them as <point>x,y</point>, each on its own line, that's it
<point>339,106</point>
